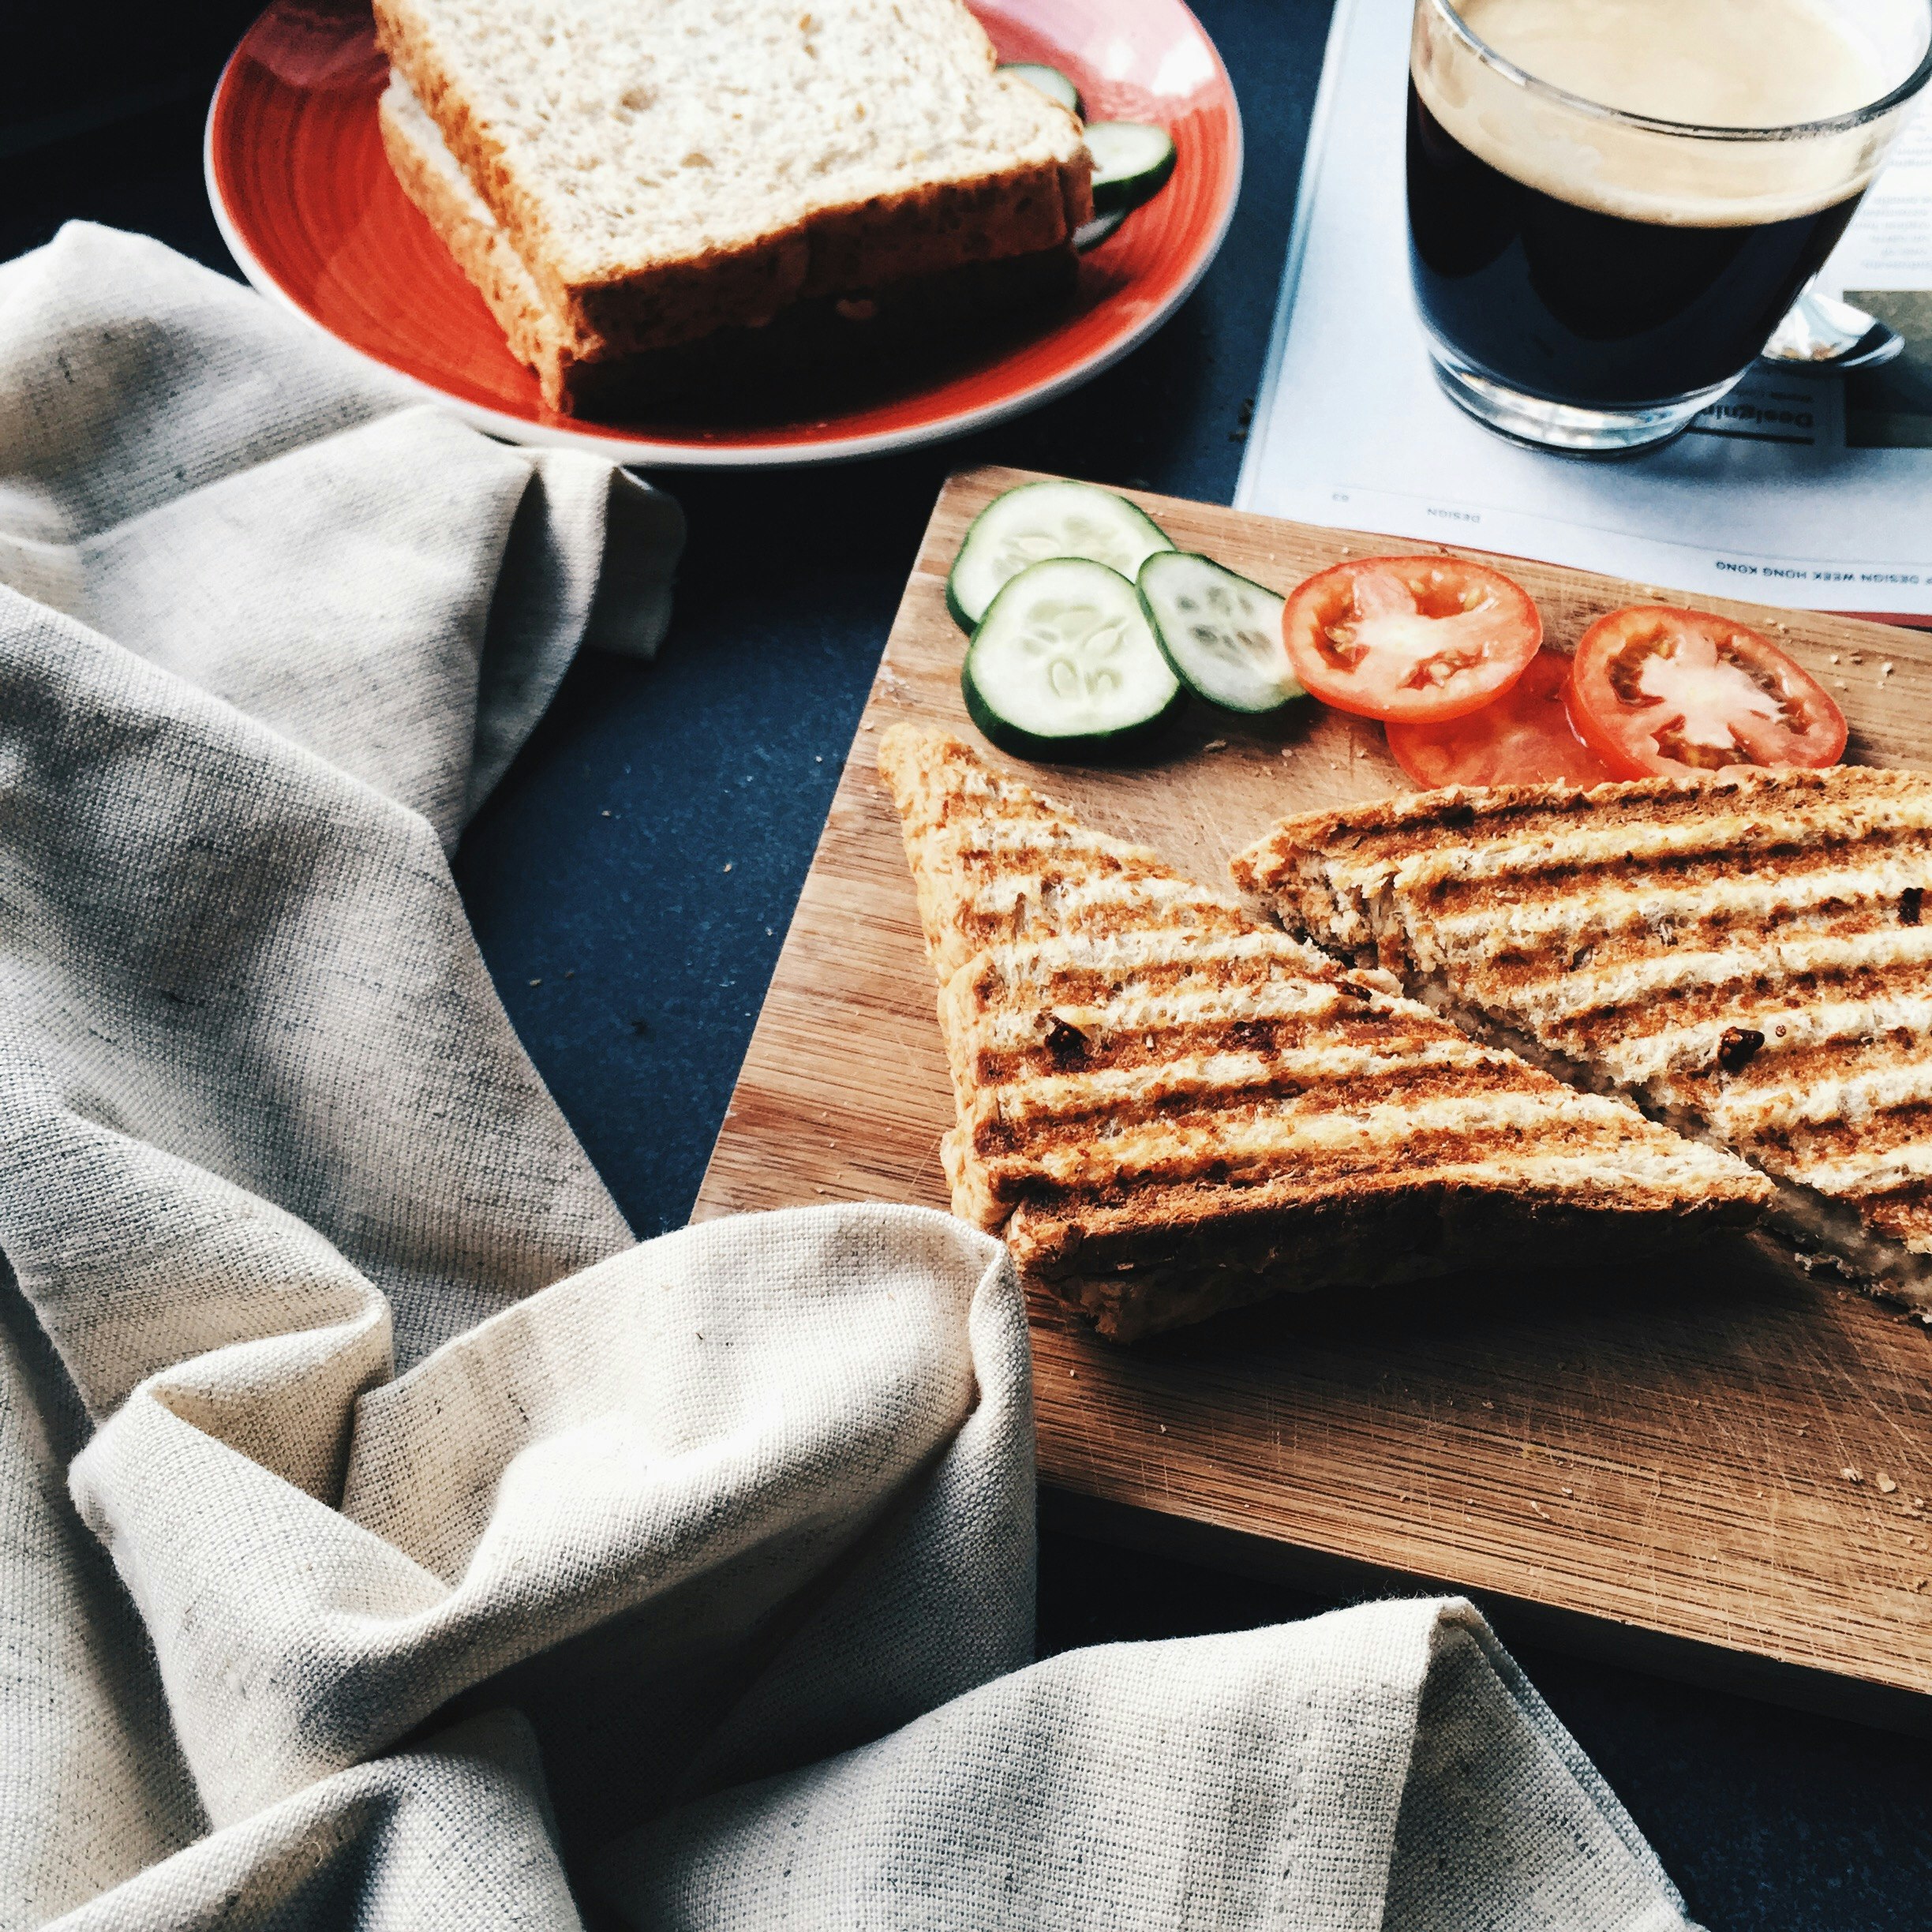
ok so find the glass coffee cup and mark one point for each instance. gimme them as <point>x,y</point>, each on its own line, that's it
<point>1592,272</point>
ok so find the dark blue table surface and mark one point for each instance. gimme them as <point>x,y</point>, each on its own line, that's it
<point>634,963</point>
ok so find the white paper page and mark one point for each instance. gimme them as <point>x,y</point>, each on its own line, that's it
<point>1770,496</point>
<point>1888,245</point>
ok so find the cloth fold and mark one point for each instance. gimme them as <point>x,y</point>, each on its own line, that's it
<point>388,1847</point>
<point>244,502</point>
<point>1385,1767</point>
<point>386,1540</point>
<point>625,1485</point>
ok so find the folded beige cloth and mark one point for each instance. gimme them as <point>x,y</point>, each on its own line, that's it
<point>386,1540</point>
<point>242,502</point>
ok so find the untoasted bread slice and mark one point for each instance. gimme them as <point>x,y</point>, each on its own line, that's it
<point>539,335</point>
<point>920,320</point>
<point>1168,1108</point>
<point>1747,958</point>
<point>665,168</point>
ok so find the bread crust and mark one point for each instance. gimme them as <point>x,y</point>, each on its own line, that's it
<point>586,376</point>
<point>885,238</point>
<point>538,335</point>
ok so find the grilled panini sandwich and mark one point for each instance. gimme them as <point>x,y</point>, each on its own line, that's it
<point>1749,959</point>
<point>1168,1108</point>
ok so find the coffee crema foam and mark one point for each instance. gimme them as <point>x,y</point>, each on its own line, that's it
<point>1707,63</point>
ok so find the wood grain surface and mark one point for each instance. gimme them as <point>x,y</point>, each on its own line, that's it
<point>1717,1455</point>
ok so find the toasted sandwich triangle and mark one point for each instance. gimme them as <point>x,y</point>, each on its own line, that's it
<point>1749,958</point>
<point>1167,1107</point>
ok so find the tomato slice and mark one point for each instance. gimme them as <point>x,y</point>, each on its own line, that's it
<point>1409,637</point>
<point>1655,691</point>
<point>1524,738</point>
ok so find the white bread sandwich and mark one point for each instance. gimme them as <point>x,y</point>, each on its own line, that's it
<point>623,181</point>
<point>1748,959</point>
<point>1167,1108</point>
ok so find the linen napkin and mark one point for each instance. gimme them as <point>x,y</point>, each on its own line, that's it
<point>243,502</point>
<point>386,1541</point>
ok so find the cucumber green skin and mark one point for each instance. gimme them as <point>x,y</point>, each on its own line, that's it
<point>1124,746</point>
<point>1108,196</point>
<point>957,611</point>
<point>952,602</point>
<point>1108,226</point>
<point>1174,664</point>
<point>1075,107</point>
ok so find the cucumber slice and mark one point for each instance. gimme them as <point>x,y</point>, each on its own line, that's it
<point>1065,665</point>
<point>1050,81</point>
<point>1090,235</point>
<point>1036,521</point>
<point>1220,632</point>
<point>1132,162</point>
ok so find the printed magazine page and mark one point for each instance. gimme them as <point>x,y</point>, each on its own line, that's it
<point>1809,490</point>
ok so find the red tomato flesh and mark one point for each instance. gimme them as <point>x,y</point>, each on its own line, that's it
<point>1524,738</point>
<point>1412,638</point>
<point>1656,691</point>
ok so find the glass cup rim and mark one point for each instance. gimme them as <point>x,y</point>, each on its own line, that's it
<point>1795,130</point>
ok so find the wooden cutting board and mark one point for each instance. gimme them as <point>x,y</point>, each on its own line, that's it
<point>1728,1477</point>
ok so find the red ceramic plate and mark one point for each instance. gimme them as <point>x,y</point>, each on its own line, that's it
<point>307,203</point>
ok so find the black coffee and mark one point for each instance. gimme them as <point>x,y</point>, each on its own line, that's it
<point>1577,307</point>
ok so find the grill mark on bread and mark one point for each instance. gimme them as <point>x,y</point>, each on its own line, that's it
<point>1158,957</point>
<point>1869,1080</point>
<point>1154,1093</point>
<point>1842,1006</point>
<point>1026,914</point>
<point>1649,858</point>
<point>1851,1155</point>
<point>1183,987</point>
<point>1629,914</point>
<point>1031,1113</point>
<point>1287,1041</point>
<point>1144,1193</point>
<point>1755,966</point>
<point>1684,956</point>
<point>1779,802</point>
